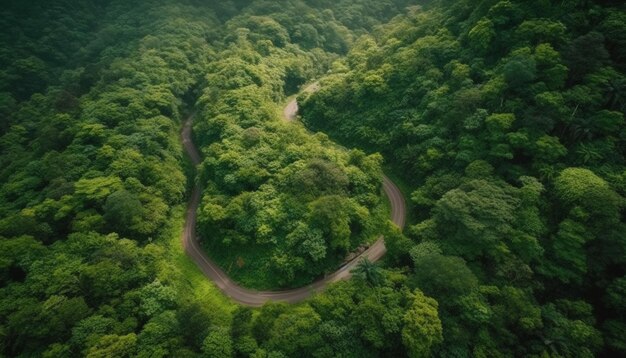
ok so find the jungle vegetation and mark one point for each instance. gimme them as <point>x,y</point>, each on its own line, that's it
<point>502,120</point>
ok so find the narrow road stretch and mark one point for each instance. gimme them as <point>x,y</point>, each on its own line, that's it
<point>256,298</point>
<point>291,109</point>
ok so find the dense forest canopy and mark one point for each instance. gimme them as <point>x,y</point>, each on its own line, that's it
<point>501,120</point>
<point>507,119</point>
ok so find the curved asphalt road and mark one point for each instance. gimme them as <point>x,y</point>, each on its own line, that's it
<point>257,298</point>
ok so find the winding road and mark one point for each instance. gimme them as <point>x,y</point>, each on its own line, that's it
<point>291,109</point>
<point>257,298</point>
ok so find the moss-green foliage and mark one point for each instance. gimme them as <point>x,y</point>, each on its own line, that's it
<point>504,117</point>
<point>351,319</point>
<point>91,98</point>
<point>287,208</point>
<point>91,170</point>
<point>507,118</point>
<point>281,206</point>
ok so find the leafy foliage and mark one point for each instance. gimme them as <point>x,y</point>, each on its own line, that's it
<point>502,117</point>
<point>281,206</point>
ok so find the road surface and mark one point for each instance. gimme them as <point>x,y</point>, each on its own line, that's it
<point>257,298</point>
<point>291,109</point>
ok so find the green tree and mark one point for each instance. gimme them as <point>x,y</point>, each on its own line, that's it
<point>582,186</point>
<point>331,214</point>
<point>160,335</point>
<point>368,272</point>
<point>569,261</point>
<point>88,331</point>
<point>196,319</point>
<point>482,34</point>
<point>422,330</point>
<point>156,298</point>
<point>218,344</point>
<point>569,329</point>
<point>114,346</point>
<point>475,217</point>
<point>122,210</point>
<point>444,277</point>
<point>296,332</point>
<point>520,69</point>
<point>266,318</point>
